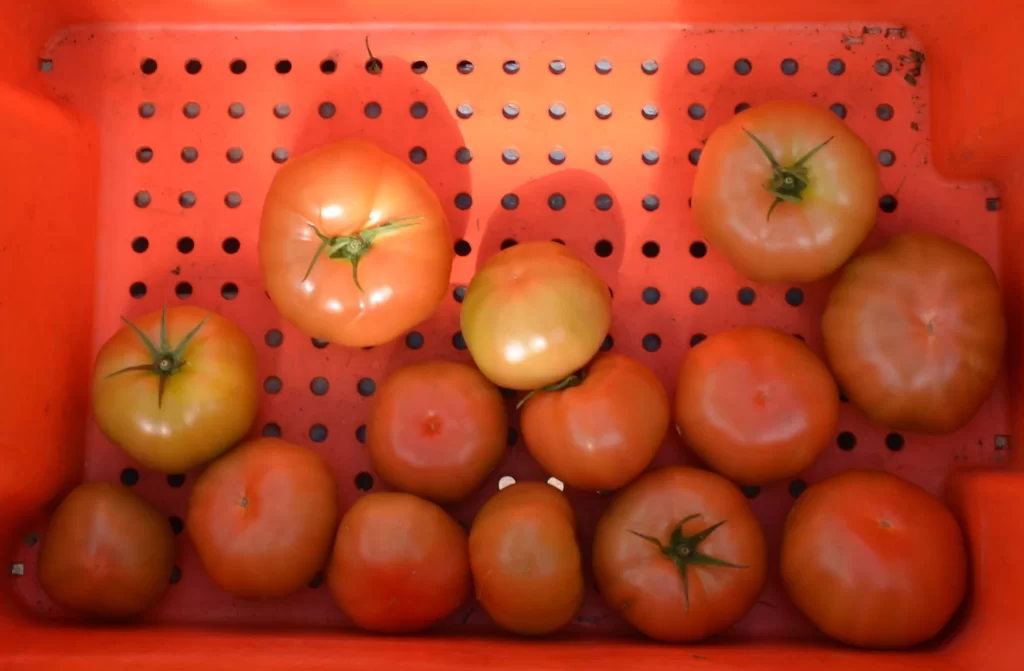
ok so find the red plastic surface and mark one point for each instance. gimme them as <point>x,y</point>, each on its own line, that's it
<point>96,72</point>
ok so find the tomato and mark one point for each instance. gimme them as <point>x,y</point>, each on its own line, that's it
<point>262,518</point>
<point>106,552</point>
<point>533,314</point>
<point>437,429</point>
<point>794,209</point>
<point>756,404</point>
<point>400,564</point>
<point>873,560</point>
<point>525,560</point>
<point>600,428</point>
<point>354,245</point>
<point>176,388</point>
<point>915,333</point>
<point>680,555</point>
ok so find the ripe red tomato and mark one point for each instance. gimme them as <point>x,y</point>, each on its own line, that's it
<point>915,333</point>
<point>437,429</point>
<point>525,560</point>
<point>786,192</point>
<point>756,404</point>
<point>176,388</point>
<point>106,552</point>
<point>354,245</point>
<point>873,560</point>
<point>400,564</point>
<point>262,518</point>
<point>602,427</point>
<point>533,314</point>
<point>680,555</point>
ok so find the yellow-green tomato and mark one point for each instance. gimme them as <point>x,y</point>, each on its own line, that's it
<point>176,388</point>
<point>534,314</point>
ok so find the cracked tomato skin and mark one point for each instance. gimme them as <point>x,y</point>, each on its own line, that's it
<point>756,404</point>
<point>889,556</point>
<point>208,405</point>
<point>437,429</point>
<point>800,242</point>
<point>603,432</point>
<point>343,189</point>
<point>525,559</point>
<point>400,564</point>
<point>533,314</point>
<point>915,333</point>
<point>106,552</point>
<point>262,518</point>
<point>644,586</point>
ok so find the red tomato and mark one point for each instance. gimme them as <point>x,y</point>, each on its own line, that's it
<point>262,518</point>
<point>680,555</point>
<point>525,560</point>
<point>354,246</point>
<point>756,404</point>
<point>601,428</point>
<point>437,429</point>
<point>873,560</point>
<point>533,314</point>
<point>786,192</point>
<point>915,333</point>
<point>106,552</point>
<point>400,564</point>
<point>176,388</point>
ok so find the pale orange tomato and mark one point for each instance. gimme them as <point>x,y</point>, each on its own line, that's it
<point>533,314</point>
<point>822,205</point>
<point>177,395</point>
<point>354,246</point>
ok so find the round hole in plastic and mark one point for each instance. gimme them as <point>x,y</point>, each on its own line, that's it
<point>273,338</point>
<point>603,248</point>
<point>271,430</point>
<point>698,250</point>
<point>794,296</point>
<point>364,481</point>
<point>698,295</point>
<point>846,441</point>
<point>238,66</point>
<point>229,291</point>
<point>137,290</point>
<point>651,342</point>
<point>129,477</point>
<point>651,249</point>
<point>191,154</point>
<point>193,66</point>
<point>148,66</point>
<point>366,386</point>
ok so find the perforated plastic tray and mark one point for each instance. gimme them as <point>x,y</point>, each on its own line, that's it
<point>585,133</point>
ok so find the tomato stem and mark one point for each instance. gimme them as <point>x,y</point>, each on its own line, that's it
<point>166,361</point>
<point>352,248</point>
<point>374,66</point>
<point>573,380</point>
<point>787,184</point>
<point>684,552</point>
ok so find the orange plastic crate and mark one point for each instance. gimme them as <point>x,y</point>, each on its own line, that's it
<point>638,87</point>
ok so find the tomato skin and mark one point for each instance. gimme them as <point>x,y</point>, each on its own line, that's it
<point>343,189</point>
<point>437,429</point>
<point>207,406</point>
<point>915,333</point>
<point>646,587</point>
<point>799,242</point>
<point>106,553</point>
<point>602,433</point>
<point>533,314</point>
<point>889,555</point>
<point>525,560</point>
<point>262,518</point>
<point>756,405</point>
<point>400,564</point>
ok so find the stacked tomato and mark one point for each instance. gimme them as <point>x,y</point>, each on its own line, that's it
<point>914,334</point>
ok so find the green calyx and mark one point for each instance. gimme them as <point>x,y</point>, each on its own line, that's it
<point>352,248</point>
<point>573,380</point>
<point>685,551</point>
<point>166,360</point>
<point>787,183</point>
